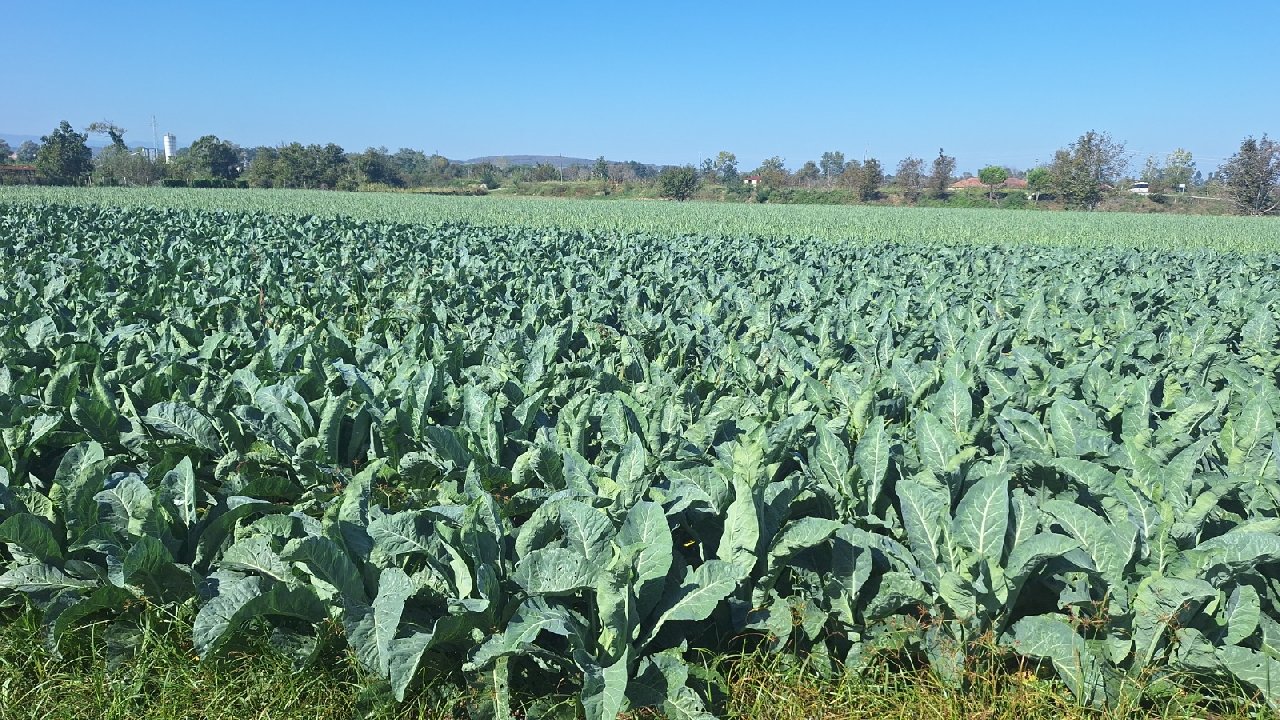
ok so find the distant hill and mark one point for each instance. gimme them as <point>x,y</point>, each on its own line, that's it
<point>16,139</point>
<point>559,161</point>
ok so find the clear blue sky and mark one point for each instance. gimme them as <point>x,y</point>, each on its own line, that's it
<point>664,82</point>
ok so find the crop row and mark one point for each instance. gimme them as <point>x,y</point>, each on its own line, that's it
<point>859,225</point>
<point>561,456</point>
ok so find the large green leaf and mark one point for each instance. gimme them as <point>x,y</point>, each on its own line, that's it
<point>41,579</point>
<point>1256,669</point>
<point>32,535</point>
<point>1161,607</point>
<point>239,602</point>
<point>740,543</point>
<point>697,596</point>
<point>129,503</point>
<point>629,473</point>
<point>533,617</point>
<point>587,531</point>
<point>371,630</point>
<point>556,571</point>
<point>872,458</point>
<point>982,517</point>
<point>645,528</point>
<point>1052,639</point>
<point>184,423</point>
<point>326,560</point>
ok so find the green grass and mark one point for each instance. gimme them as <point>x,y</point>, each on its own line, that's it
<point>162,681</point>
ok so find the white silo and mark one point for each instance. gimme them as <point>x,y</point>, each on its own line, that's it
<point>170,146</point>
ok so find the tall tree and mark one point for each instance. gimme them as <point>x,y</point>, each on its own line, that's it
<point>1082,171</point>
<point>678,183</point>
<point>27,152</point>
<point>773,172</point>
<point>832,166</point>
<point>6,152</point>
<point>601,169</point>
<point>120,166</point>
<point>850,175</point>
<point>214,158</point>
<point>640,170</point>
<point>1039,181</point>
<point>708,169</point>
<point>64,158</point>
<point>944,167</point>
<point>726,167</point>
<point>111,130</point>
<point>261,172</point>
<point>1252,177</point>
<point>869,178</point>
<point>1153,174</point>
<point>991,176</point>
<point>375,166</point>
<point>910,177</point>
<point>544,172</point>
<point>412,165</point>
<point>486,173</point>
<point>1179,168</point>
<point>808,174</point>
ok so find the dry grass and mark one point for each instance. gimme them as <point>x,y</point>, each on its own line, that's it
<point>770,689</point>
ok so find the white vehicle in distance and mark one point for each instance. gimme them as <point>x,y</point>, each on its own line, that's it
<point>1140,188</point>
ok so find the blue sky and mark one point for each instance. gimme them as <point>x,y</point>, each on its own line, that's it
<point>664,82</point>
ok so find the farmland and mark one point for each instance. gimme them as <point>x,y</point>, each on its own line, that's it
<point>589,445</point>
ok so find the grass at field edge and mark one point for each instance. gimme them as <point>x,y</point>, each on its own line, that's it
<point>164,681</point>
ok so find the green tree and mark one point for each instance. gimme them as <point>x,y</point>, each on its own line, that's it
<point>910,177</point>
<point>944,167</point>
<point>708,168</point>
<point>773,172</point>
<point>64,158</point>
<point>6,152</point>
<point>991,176</point>
<point>1039,181</point>
<point>808,173</point>
<point>111,130</point>
<point>120,166</point>
<point>601,169</point>
<point>261,172</point>
<point>27,152</point>
<point>849,175</point>
<point>1251,177</point>
<point>1082,171</point>
<point>678,183</point>
<point>1153,174</point>
<point>413,165</point>
<point>725,167</point>
<point>215,158</point>
<point>832,165</point>
<point>1179,168</point>
<point>640,170</point>
<point>374,166</point>
<point>543,172</point>
<point>869,178</point>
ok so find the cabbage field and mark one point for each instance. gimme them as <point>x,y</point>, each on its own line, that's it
<point>590,446</point>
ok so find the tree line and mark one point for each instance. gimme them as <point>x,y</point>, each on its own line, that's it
<point>1080,175</point>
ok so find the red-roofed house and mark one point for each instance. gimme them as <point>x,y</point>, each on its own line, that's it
<point>966,184</point>
<point>10,174</point>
